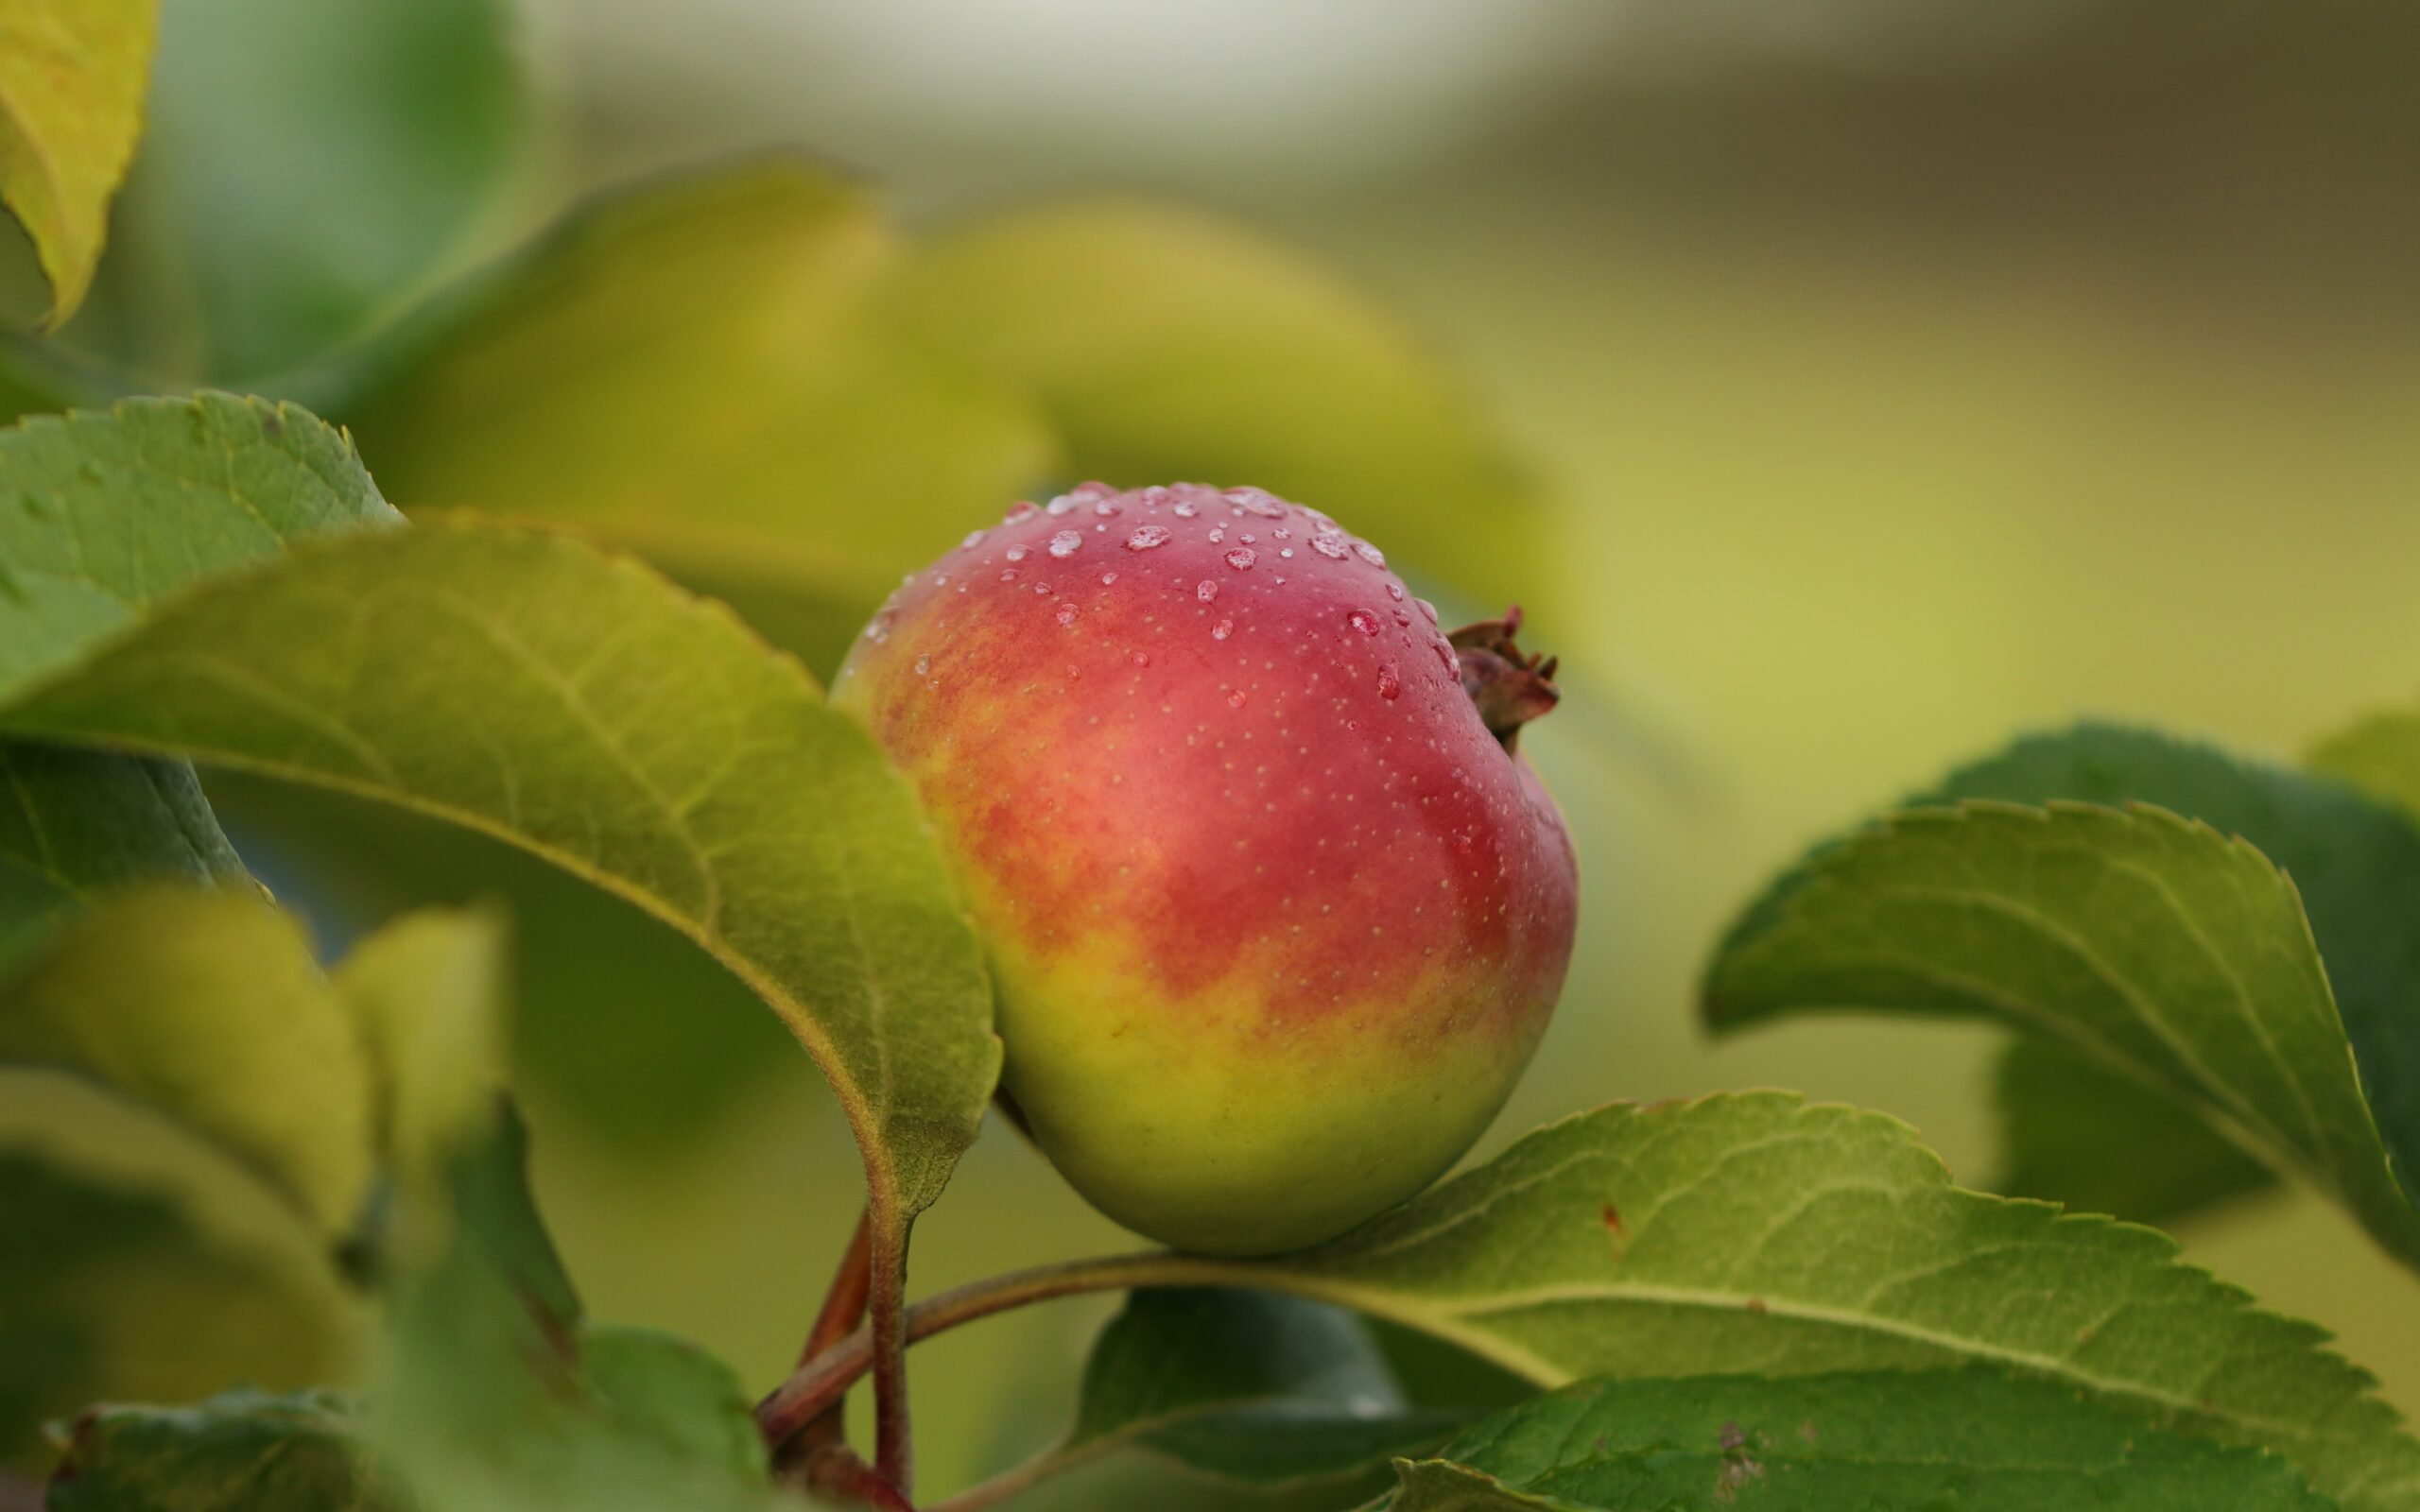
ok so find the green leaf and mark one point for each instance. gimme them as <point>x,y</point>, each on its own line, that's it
<point>2381,756</point>
<point>107,512</point>
<point>574,704</point>
<point>1878,1442</point>
<point>2153,945</point>
<point>208,1007</point>
<point>701,370</point>
<point>1247,1386</point>
<point>242,1452</point>
<point>1441,1485</point>
<point>1169,345</point>
<point>1755,1232</point>
<point>72,74</point>
<point>77,823</point>
<point>115,1291</point>
<point>426,991</point>
<point>2076,1133</point>
<point>307,167</point>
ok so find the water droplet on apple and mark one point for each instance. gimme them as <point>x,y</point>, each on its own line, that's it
<point>1241,558</point>
<point>1205,589</point>
<point>1147,536</point>
<point>1016,554</point>
<point>1222,630</point>
<point>1361,621</point>
<point>1066,544</point>
<point>1390,683</point>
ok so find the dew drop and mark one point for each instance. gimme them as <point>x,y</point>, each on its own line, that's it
<point>1107,578</point>
<point>1183,510</point>
<point>1218,534</point>
<point>1286,551</point>
<point>1147,536</point>
<point>1066,614</point>
<point>1022,509</point>
<point>1205,589</point>
<point>1241,558</point>
<point>1065,504</point>
<point>1394,591</point>
<point>1016,554</point>
<point>1361,621</point>
<point>1236,699</point>
<point>1258,501</point>
<point>1390,683</point>
<point>1043,589</point>
<point>1222,630</point>
<point>1106,507</point>
<point>1427,609</point>
<point>1369,553</point>
<point>1330,543</point>
<point>924,665</point>
<point>1066,544</point>
<point>1142,659</point>
<point>1445,655</point>
<point>973,539</point>
<point>1007,575</point>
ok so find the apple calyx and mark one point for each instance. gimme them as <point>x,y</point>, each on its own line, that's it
<point>1508,688</point>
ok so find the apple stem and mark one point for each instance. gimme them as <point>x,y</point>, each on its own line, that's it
<point>1508,688</point>
<point>887,1300</point>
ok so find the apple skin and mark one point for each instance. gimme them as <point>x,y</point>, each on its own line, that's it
<point>1275,920</point>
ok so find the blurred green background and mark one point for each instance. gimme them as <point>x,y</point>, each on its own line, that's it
<point>1899,376</point>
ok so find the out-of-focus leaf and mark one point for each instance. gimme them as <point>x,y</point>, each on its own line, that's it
<point>2157,946</point>
<point>1166,346</point>
<point>114,509</point>
<point>114,1291</point>
<point>72,74</point>
<point>1247,1386</point>
<point>240,1452</point>
<point>1770,1236</point>
<point>1886,1441</point>
<point>575,704</point>
<point>2074,1132</point>
<point>617,1019</point>
<point>701,370</point>
<point>76,823</point>
<point>494,1394</point>
<point>207,1007</point>
<point>306,165</point>
<point>426,994</point>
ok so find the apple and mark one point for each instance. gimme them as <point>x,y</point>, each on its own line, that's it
<point>1276,909</point>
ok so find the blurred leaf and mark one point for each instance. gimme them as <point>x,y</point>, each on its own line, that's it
<point>1886,1441</point>
<point>72,74</point>
<point>241,1452</point>
<point>111,511</point>
<point>492,1391</point>
<point>111,1291</point>
<point>574,703</point>
<point>308,166</point>
<point>426,994</point>
<point>2157,947</point>
<point>1169,346</point>
<point>74,823</point>
<point>1755,1232</point>
<point>697,369</point>
<point>617,1019</point>
<point>1441,1485</point>
<point>208,1007</point>
<point>2076,1133</point>
<point>1247,1386</point>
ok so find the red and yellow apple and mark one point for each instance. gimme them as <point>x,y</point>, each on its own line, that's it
<point>1275,908</point>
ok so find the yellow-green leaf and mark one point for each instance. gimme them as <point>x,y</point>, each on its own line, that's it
<point>207,1007</point>
<point>699,369</point>
<point>1166,344</point>
<point>72,74</point>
